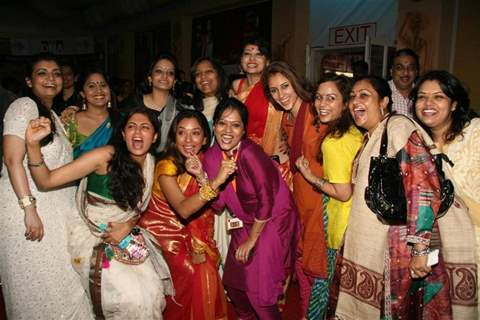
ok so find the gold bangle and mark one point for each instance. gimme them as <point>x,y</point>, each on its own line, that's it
<point>27,201</point>
<point>207,193</point>
<point>36,164</point>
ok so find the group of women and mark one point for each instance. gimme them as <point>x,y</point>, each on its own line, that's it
<point>179,207</point>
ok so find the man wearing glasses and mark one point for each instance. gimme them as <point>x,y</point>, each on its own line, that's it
<point>404,71</point>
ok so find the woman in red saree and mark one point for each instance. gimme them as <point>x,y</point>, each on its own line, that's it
<point>264,119</point>
<point>182,226</point>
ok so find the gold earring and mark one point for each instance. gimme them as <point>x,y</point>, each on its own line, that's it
<point>109,104</point>
<point>84,105</point>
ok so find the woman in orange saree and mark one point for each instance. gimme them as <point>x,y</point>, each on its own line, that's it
<point>183,227</point>
<point>284,89</point>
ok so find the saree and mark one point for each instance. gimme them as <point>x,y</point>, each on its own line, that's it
<point>304,138</point>
<point>338,155</point>
<point>189,249</point>
<point>464,172</point>
<point>81,143</point>
<point>261,194</point>
<point>118,289</point>
<point>372,279</point>
<point>264,120</point>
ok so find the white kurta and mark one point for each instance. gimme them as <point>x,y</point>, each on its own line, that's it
<point>38,280</point>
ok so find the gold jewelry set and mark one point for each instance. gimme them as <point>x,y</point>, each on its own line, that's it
<point>207,193</point>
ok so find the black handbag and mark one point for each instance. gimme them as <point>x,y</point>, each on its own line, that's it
<point>385,194</point>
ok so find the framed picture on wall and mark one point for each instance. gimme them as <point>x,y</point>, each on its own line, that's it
<point>222,34</point>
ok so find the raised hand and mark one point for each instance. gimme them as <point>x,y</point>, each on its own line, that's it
<point>227,168</point>
<point>37,130</point>
<point>68,114</point>
<point>304,166</point>
<point>193,165</point>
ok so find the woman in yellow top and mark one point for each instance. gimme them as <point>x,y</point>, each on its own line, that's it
<point>338,150</point>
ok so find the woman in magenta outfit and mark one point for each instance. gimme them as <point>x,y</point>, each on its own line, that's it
<point>260,252</point>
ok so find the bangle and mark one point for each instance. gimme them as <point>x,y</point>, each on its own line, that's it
<point>207,193</point>
<point>421,252</point>
<point>36,164</point>
<point>27,201</point>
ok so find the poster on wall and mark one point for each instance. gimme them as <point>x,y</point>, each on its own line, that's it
<point>222,34</point>
<point>416,31</point>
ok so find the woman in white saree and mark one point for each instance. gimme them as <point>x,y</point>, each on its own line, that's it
<point>126,276</point>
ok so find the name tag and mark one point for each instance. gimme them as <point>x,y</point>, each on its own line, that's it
<point>234,223</point>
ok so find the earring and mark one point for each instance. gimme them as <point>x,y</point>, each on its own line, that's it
<point>109,104</point>
<point>84,105</point>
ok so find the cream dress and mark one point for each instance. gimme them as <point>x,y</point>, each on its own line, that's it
<point>38,280</point>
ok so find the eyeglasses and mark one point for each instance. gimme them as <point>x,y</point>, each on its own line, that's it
<point>408,68</point>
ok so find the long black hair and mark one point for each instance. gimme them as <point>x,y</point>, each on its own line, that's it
<point>223,85</point>
<point>113,111</point>
<point>125,174</point>
<point>456,91</point>
<point>171,151</point>
<point>43,111</point>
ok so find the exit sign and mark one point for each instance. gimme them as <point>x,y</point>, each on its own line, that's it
<point>351,35</point>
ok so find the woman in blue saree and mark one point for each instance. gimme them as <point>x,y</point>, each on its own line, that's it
<point>92,126</point>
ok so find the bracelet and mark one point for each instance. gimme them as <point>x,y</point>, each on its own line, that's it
<point>27,201</point>
<point>202,180</point>
<point>419,253</point>
<point>207,193</point>
<point>36,164</point>
<point>318,183</point>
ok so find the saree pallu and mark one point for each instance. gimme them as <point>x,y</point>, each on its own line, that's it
<point>464,153</point>
<point>199,292</point>
<point>372,272</point>
<point>126,290</point>
<point>81,144</point>
<point>305,139</point>
<point>264,120</point>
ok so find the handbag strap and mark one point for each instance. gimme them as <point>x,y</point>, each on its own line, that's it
<point>384,142</point>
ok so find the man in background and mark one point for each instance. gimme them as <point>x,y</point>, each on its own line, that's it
<point>69,96</point>
<point>404,71</point>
